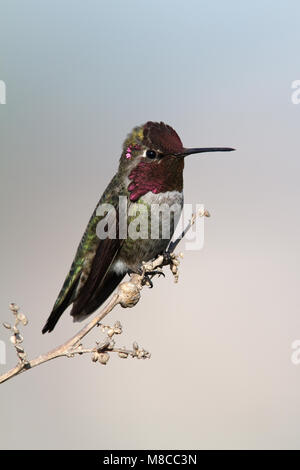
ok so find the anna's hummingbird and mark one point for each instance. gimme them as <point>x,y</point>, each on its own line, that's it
<point>150,173</point>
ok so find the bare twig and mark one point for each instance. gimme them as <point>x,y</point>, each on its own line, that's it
<point>127,295</point>
<point>173,244</point>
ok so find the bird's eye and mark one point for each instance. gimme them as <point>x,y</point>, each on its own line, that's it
<point>150,154</point>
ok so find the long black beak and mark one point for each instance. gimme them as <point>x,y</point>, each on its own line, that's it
<point>187,152</point>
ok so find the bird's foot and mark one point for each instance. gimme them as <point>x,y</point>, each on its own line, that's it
<point>167,258</point>
<point>171,259</point>
<point>148,276</point>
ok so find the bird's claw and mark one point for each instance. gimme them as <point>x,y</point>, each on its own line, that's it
<point>149,276</point>
<point>167,258</point>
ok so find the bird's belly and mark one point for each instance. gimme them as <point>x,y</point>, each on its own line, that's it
<point>160,215</point>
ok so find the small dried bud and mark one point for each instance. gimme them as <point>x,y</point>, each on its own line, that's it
<point>129,294</point>
<point>13,339</point>
<point>206,213</point>
<point>19,338</point>
<point>104,344</point>
<point>123,354</point>
<point>174,269</point>
<point>111,345</point>
<point>7,325</point>
<point>110,332</point>
<point>135,346</point>
<point>13,307</point>
<point>103,358</point>
<point>117,328</point>
<point>22,318</point>
<point>95,357</point>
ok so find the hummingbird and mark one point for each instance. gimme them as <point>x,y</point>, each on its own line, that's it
<point>150,172</point>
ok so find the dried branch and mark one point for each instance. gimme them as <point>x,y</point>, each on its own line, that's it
<point>127,295</point>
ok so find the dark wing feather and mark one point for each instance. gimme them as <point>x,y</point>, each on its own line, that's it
<point>108,284</point>
<point>105,255</point>
<point>61,307</point>
<point>93,259</point>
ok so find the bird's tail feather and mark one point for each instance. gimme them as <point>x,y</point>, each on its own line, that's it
<point>100,295</point>
<point>59,309</point>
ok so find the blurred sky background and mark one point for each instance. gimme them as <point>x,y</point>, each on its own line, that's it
<point>79,76</point>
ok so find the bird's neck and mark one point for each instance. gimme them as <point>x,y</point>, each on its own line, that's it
<point>158,177</point>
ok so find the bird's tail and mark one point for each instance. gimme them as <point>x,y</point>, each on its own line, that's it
<point>59,308</point>
<point>53,319</point>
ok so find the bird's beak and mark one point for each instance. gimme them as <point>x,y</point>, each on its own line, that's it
<point>190,151</point>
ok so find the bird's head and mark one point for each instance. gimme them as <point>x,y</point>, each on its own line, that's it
<point>153,159</point>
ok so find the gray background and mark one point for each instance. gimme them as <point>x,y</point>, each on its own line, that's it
<point>79,76</point>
